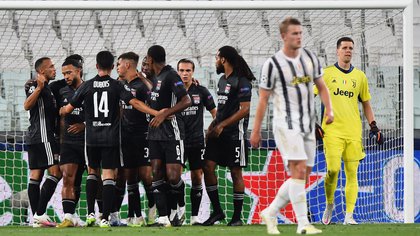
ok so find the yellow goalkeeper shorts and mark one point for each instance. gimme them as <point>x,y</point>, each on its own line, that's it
<point>349,150</point>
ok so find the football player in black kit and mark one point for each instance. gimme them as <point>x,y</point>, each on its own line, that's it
<point>194,135</point>
<point>226,135</point>
<point>42,146</point>
<point>166,136</point>
<point>72,151</point>
<point>101,96</point>
<point>134,146</point>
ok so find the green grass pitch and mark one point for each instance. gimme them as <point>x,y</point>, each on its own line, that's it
<point>249,230</point>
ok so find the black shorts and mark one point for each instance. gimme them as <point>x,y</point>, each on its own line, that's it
<point>195,157</point>
<point>135,152</point>
<point>227,152</point>
<point>104,157</point>
<point>72,153</point>
<point>170,152</point>
<point>42,155</point>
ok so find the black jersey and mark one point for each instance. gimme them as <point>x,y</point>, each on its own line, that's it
<point>76,116</point>
<point>55,87</point>
<point>42,116</point>
<point>193,115</point>
<point>231,92</point>
<point>134,122</point>
<point>101,97</point>
<point>167,90</point>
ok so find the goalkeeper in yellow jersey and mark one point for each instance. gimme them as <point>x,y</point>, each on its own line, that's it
<point>343,138</point>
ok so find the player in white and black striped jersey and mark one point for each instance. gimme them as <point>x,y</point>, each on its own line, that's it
<point>288,77</point>
<point>42,146</point>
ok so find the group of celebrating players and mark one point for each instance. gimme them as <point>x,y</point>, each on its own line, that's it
<point>146,124</point>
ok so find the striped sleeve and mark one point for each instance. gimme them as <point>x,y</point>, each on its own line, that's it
<point>268,76</point>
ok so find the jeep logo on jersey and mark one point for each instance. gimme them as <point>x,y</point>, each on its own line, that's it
<point>227,88</point>
<point>196,98</point>
<point>344,93</point>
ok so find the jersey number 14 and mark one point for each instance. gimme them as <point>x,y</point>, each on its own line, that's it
<point>103,104</point>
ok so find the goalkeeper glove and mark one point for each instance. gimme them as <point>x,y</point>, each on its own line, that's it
<point>319,132</point>
<point>376,133</point>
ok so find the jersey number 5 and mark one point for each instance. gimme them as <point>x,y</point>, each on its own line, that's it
<point>103,104</point>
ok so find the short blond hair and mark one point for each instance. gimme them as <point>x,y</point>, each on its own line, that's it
<point>286,22</point>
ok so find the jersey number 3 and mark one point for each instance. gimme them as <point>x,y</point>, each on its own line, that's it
<point>103,104</point>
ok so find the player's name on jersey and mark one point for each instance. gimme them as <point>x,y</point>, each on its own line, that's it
<point>100,84</point>
<point>344,93</point>
<point>99,123</point>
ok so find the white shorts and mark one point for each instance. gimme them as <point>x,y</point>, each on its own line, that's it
<point>295,145</point>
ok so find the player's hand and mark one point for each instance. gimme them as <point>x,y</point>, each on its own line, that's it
<point>329,117</point>
<point>319,132</point>
<point>216,131</point>
<point>40,81</point>
<point>255,139</point>
<point>76,128</point>
<point>62,111</point>
<point>158,119</point>
<point>376,133</point>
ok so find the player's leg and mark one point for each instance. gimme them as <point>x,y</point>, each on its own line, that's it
<point>115,219</point>
<point>68,166</point>
<point>35,176</point>
<point>352,156</point>
<point>333,149</point>
<point>195,160</point>
<point>212,154</point>
<point>238,160</point>
<point>159,185</point>
<point>145,175</point>
<point>174,158</point>
<point>68,195</point>
<point>92,183</point>
<point>49,152</point>
<point>110,163</point>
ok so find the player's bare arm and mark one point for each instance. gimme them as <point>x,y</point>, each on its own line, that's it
<point>180,106</point>
<point>31,100</point>
<point>241,113</point>
<point>66,109</point>
<point>141,106</point>
<point>324,94</point>
<point>255,138</point>
<point>367,110</point>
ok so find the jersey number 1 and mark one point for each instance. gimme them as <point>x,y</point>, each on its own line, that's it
<point>103,104</point>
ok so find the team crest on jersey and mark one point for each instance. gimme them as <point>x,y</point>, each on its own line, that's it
<point>227,88</point>
<point>353,83</point>
<point>159,83</point>
<point>196,99</point>
<point>31,89</point>
<point>126,87</point>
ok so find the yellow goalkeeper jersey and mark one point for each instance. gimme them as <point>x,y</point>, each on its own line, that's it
<point>346,88</point>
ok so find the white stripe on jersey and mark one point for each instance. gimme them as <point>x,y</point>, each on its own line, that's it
<point>242,159</point>
<point>42,123</point>
<point>181,147</point>
<point>291,81</point>
<point>174,122</point>
<point>85,151</point>
<point>120,145</point>
<point>50,155</point>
